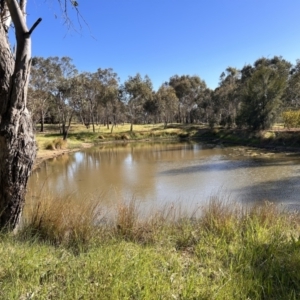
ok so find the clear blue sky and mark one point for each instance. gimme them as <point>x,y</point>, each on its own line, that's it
<point>162,38</point>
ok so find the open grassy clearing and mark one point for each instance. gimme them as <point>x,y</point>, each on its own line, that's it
<point>226,253</point>
<point>80,134</point>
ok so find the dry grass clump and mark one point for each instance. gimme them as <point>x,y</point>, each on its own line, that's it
<point>126,220</point>
<point>129,225</point>
<point>125,136</point>
<point>183,135</point>
<point>266,215</point>
<point>61,221</point>
<point>122,137</point>
<point>168,225</point>
<point>219,215</point>
<point>269,135</point>
<point>57,144</point>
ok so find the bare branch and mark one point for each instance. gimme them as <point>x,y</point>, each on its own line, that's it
<point>66,14</point>
<point>37,22</point>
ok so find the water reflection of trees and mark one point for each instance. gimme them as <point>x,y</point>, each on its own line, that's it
<point>52,176</point>
<point>124,172</point>
<point>147,171</point>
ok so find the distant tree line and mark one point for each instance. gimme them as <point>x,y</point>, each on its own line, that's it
<point>254,97</point>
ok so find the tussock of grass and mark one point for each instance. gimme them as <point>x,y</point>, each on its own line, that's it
<point>70,251</point>
<point>57,144</point>
<point>61,222</point>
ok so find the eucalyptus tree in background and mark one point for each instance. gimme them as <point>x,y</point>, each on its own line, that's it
<point>90,87</point>
<point>54,79</point>
<point>207,106</point>
<point>136,91</point>
<point>262,92</point>
<point>43,78</point>
<point>65,96</point>
<point>107,94</point>
<point>151,109</point>
<point>167,103</point>
<point>189,90</point>
<point>226,97</point>
<point>292,95</point>
<point>79,97</point>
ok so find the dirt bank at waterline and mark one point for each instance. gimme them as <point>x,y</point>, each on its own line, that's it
<point>43,155</point>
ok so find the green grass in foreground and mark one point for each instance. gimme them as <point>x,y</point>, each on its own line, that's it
<point>226,253</point>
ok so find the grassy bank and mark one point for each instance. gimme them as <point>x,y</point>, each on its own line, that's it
<point>80,136</point>
<point>226,253</point>
<point>50,143</point>
<point>280,140</point>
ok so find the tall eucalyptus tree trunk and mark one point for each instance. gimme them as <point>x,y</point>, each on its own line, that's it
<point>17,143</point>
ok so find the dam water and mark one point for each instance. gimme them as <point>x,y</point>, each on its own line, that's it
<point>159,173</point>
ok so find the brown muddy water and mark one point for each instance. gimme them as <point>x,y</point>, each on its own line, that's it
<point>159,173</point>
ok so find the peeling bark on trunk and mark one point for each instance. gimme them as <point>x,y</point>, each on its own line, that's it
<point>18,151</point>
<point>17,143</point>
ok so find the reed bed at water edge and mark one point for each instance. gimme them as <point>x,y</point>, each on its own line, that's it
<point>69,250</point>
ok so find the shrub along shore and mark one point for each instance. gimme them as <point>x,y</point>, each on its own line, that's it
<point>70,250</point>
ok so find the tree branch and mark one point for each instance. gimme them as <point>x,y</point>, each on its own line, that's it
<point>23,7</point>
<point>37,22</point>
<point>17,17</point>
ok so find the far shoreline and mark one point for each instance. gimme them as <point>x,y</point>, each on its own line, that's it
<point>271,140</point>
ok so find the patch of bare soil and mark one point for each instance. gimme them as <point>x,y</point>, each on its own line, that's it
<point>43,155</point>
